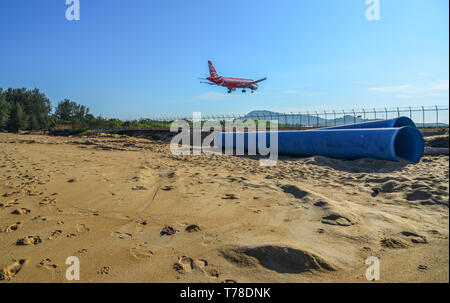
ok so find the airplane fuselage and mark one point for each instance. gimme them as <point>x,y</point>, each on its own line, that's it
<point>229,82</point>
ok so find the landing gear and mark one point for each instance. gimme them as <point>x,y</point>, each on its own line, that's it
<point>229,91</point>
<point>243,90</point>
<point>253,91</point>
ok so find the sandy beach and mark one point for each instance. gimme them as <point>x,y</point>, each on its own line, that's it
<point>107,199</point>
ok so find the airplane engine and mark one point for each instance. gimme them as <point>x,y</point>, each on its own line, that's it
<point>253,86</point>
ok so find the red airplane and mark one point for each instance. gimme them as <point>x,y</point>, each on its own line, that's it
<point>230,83</point>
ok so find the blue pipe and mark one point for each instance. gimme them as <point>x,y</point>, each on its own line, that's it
<point>397,122</point>
<point>379,143</point>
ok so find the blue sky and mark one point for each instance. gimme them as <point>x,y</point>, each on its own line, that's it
<point>141,58</point>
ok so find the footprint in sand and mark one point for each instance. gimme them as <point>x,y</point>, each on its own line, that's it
<point>48,264</point>
<point>104,270</point>
<point>55,234</point>
<point>139,187</point>
<point>21,211</point>
<point>187,265</point>
<point>29,240</point>
<point>82,228</point>
<point>422,267</point>
<point>418,195</point>
<point>9,203</point>
<point>142,222</point>
<point>437,234</point>
<point>415,238</point>
<point>141,251</point>
<point>47,201</point>
<point>294,191</point>
<point>11,228</point>
<point>230,196</point>
<point>39,218</point>
<point>193,228</point>
<point>167,188</point>
<point>393,243</point>
<point>81,251</point>
<point>210,237</point>
<point>321,204</point>
<point>336,219</point>
<point>120,235</point>
<point>10,271</point>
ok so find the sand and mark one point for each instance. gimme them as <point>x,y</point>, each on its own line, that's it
<point>106,200</point>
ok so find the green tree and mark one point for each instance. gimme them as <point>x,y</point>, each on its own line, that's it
<point>71,111</point>
<point>19,119</point>
<point>5,110</point>
<point>26,108</point>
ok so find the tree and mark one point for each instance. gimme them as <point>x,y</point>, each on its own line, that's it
<point>71,111</point>
<point>5,110</point>
<point>20,106</point>
<point>19,119</point>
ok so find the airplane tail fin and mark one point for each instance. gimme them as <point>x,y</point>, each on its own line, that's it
<point>212,70</point>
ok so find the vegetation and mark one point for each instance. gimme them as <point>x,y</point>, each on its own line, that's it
<point>22,109</point>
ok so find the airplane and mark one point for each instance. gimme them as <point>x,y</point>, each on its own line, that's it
<point>231,83</point>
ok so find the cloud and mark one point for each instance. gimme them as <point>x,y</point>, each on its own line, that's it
<point>424,96</point>
<point>214,96</point>
<point>437,88</point>
<point>440,85</point>
<point>392,89</point>
<point>403,96</point>
<point>297,92</point>
<point>291,92</point>
<point>423,74</point>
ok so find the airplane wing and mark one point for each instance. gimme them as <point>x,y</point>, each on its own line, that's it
<point>260,80</point>
<point>254,82</point>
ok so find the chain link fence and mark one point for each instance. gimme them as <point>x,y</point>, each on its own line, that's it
<point>423,116</point>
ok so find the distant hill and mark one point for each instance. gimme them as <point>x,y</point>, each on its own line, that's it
<point>301,119</point>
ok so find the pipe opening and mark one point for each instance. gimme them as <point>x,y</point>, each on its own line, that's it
<point>409,144</point>
<point>404,121</point>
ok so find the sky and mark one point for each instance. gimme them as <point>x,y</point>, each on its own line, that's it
<point>142,58</point>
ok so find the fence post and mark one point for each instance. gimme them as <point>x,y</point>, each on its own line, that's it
<point>326,120</point>
<point>410,113</point>
<point>317,116</point>
<point>385,117</point>
<point>343,111</point>
<point>398,112</point>
<point>437,116</point>
<point>423,117</point>
<point>334,114</point>
<point>308,119</point>
<point>354,116</point>
<point>364,113</point>
<point>375,113</point>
